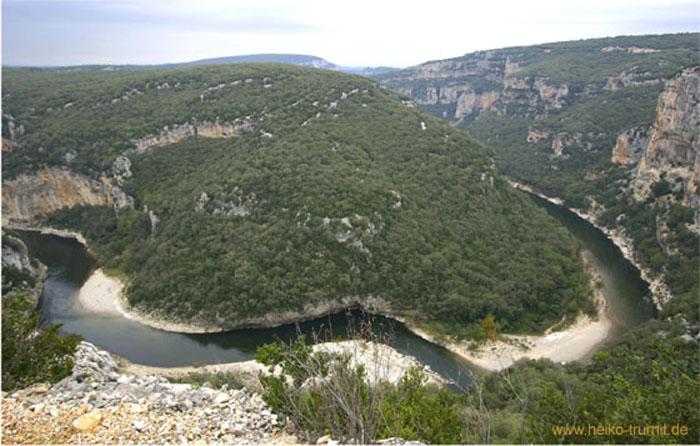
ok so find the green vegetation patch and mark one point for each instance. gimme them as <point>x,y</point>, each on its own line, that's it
<point>31,354</point>
<point>337,190</point>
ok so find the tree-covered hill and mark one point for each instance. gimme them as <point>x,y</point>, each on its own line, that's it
<point>573,120</point>
<point>611,127</point>
<point>257,189</point>
<point>291,59</point>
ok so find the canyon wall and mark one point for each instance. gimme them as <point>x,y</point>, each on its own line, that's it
<point>670,152</point>
<point>478,82</point>
<point>181,131</point>
<point>32,195</point>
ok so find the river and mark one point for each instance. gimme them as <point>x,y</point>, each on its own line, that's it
<point>69,265</point>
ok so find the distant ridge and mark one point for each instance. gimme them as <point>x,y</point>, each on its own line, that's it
<point>289,59</point>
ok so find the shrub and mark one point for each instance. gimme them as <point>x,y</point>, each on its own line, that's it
<point>216,379</point>
<point>326,393</point>
<point>31,354</point>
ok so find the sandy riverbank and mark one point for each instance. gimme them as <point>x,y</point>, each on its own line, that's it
<point>102,294</point>
<point>380,361</point>
<point>572,344</point>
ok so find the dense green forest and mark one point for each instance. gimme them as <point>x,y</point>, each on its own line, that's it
<point>335,189</point>
<point>582,94</point>
<point>594,90</point>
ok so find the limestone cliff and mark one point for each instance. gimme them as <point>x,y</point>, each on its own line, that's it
<point>483,81</point>
<point>629,79</point>
<point>181,131</point>
<point>534,135</point>
<point>36,194</point>
<point>570,142</point>
<point>674,142</point>
<point>470,102</point>
<point>674,139</point>
<point>15,257</point>
<point>537,82</point>
<point>671,151</point>
<point>630,146</point>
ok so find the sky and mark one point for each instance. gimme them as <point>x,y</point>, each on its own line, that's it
<point>350,33</point>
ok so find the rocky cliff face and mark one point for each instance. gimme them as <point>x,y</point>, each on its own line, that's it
<point>537,82</point>
<point>630,146</point>
<point>32,195</point>
<point>671,150</point>
<point>469,103</point>
<point>506,83</point>
<point>483,81</point>
<point>181,131</point>
<point>674,144</point>
<point>629,79</point>
<point>15,256</point>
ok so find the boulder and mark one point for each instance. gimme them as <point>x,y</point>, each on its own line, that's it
<point>89,421</point>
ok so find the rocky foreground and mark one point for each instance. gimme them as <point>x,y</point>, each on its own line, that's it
<point>96,404</point>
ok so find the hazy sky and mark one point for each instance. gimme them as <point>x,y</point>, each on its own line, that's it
<point>359,32</point>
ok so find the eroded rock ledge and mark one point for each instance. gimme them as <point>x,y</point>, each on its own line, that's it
<point>36,194</point>
<point>204,129</point>
<point>32,195</point>
<point>369,304</point>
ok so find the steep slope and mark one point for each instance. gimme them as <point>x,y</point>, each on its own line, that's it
<point>259,194</point>
<point>670,151</point>
<point>20,272</point>
<point>555,112</point>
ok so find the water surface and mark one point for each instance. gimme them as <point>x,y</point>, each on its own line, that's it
<point>629,298</point>
<point>69,265</point>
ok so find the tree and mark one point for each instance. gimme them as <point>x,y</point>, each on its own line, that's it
<point>31,354</point>
<point>487,328</point>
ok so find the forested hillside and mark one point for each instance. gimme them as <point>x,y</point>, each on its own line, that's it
<point>291,59</point>
<point>227,194</point>
<point>610,126</point>
<point>575,120</point>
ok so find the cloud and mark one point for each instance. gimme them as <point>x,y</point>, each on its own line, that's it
<point>262,17</point>
<point>362,32</point>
